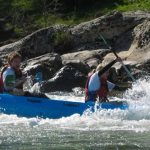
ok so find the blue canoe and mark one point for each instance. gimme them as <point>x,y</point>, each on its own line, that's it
<point>48,108</point>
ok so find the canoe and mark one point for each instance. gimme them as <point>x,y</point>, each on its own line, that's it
<point>49,108</point>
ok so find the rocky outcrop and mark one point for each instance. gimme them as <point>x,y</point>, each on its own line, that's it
<point>35,44</point>
<point>81,37</point>
<point>110,26</point>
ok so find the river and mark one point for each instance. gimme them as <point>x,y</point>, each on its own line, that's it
<point>104,129</point>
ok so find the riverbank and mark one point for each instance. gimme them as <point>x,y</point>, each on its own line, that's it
<point>25,17</point>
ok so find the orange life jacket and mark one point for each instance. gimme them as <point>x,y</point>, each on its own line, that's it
<point>102,92</point>
<point>18,74</point>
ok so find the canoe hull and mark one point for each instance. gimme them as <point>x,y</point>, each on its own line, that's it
<point>46,108</point>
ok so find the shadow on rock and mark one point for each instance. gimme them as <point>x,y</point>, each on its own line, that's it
<point>64,80</point>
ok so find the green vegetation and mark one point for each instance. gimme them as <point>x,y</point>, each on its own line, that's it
<point>29,15</point>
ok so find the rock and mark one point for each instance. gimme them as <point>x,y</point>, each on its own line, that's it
<point>81,49</point>
<point>63,39</point>
<point>77,64</point>
<point>35,44</point>
<point>48,64</point>
<point>64,80</point>
<point>142,34</point>
<point>91,58</point>
<point>137,15</point>
<point>110,26</point>
<point>1,63</point>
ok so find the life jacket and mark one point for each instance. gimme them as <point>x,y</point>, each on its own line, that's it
<point>102,92</point>
<point>1,85</point>
<point>18,74</point>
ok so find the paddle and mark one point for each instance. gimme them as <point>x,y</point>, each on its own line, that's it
<point>126,69</point>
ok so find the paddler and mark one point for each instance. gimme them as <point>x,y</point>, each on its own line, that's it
<point>97,85</point>
<point>12,78</point>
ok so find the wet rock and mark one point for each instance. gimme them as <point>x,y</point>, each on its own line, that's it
<point>48,64</point>
<point>64,80</point>
<point>77,64</point>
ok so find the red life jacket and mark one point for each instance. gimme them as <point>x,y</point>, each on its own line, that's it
<point>102,92</point>
<point>18,74</point>
<point>1,85</point>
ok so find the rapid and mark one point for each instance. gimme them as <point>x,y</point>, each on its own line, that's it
<point>104,129</point>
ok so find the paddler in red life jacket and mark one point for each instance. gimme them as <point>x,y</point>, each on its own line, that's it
<point>97,84</point>
<point>11,75</point>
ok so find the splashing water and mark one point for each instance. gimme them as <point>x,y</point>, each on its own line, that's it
<point>137,97</point>
<point>105,129</point>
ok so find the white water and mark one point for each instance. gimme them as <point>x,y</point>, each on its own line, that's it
<point>137,120</point>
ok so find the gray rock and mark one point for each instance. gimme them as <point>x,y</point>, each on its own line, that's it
<point>48,64</point>
<point>64,80</point>
<point>91,58</point>
<point>35,44</point>
<point>61,38</point>
<point>79,65</point>
<point>111,25</point>
<point>142,34</point>
<point>82,49</point>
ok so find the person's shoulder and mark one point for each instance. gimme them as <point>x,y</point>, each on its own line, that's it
<point>9,70</point>
<point>95,73</point>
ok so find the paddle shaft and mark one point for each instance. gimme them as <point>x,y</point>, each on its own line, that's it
<point>126,69</point>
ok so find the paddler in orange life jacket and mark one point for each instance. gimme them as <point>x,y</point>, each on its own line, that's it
<point>97,84</point>
<point>11,75</point>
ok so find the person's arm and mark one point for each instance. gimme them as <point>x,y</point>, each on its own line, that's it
<point>107,67</point>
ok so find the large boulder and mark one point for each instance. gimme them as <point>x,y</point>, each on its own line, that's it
<point>48,64</point>
<point>35,44</point>
<point>90,58</point>
<point>110,26</point>
<point>64,80</point>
